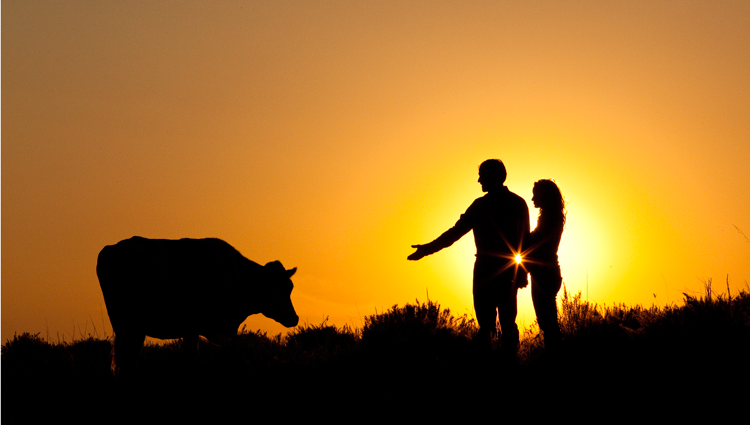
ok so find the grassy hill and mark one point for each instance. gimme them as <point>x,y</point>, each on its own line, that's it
<point>416,359</point>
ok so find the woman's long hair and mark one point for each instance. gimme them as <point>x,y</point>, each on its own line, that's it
<point>550,200</point>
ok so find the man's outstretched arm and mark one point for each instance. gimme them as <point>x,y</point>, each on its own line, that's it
<point>443,241</point>
<point>422,251</point>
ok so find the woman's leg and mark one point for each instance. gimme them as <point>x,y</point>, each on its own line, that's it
<point>544,288</point>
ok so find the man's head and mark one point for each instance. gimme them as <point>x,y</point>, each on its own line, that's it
<point>492,174</point>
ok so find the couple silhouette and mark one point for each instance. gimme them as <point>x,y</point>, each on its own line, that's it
<point>507,252</point>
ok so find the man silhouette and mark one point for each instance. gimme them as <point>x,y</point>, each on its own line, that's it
<point>500,221</point>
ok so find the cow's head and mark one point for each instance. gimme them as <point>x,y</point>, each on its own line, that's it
<point>277,303</point>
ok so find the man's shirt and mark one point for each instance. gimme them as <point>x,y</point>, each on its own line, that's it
<point>500,221</point>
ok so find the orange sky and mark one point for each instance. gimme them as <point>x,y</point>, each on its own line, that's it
<point>332,136</point>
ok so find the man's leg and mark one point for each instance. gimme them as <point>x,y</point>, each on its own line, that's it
<point>485,304</point>
<point>485,308</point>
<point>507,312</point>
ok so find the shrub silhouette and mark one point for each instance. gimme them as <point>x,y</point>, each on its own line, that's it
<point>421,331</point>
<point>330,339</point>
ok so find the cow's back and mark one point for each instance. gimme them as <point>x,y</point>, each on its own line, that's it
<point>167,288</point>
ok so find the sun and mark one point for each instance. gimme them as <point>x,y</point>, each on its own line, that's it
<point>518,258</point>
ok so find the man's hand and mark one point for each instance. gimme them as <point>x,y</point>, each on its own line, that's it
<point>522,279</point>
<point>421,251</point>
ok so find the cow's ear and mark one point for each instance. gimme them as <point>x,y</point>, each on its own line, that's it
<point>274,265</point>
<point>291,272</point>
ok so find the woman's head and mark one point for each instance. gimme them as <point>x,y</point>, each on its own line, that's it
<point>548,198</point>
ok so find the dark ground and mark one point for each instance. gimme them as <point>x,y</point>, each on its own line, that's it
<point>411,362</point>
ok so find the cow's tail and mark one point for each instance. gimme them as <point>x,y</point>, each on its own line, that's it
<point>113,360</point>
<point>104,274</point>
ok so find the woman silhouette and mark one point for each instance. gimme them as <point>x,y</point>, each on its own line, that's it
<point>541,258</point>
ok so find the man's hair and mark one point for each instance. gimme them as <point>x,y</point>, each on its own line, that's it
<point>494,169</point>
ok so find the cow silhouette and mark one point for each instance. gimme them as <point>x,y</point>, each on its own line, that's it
<point>186,288</point>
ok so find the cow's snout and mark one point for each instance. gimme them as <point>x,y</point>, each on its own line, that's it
<point>291,321</point>
<point>284,314</point>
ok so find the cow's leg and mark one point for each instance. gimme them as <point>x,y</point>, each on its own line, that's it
<point>126,350</point>
<point>190,349</point>
<point>190,343</point>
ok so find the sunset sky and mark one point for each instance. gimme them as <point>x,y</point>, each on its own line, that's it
<point>333,135</point>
